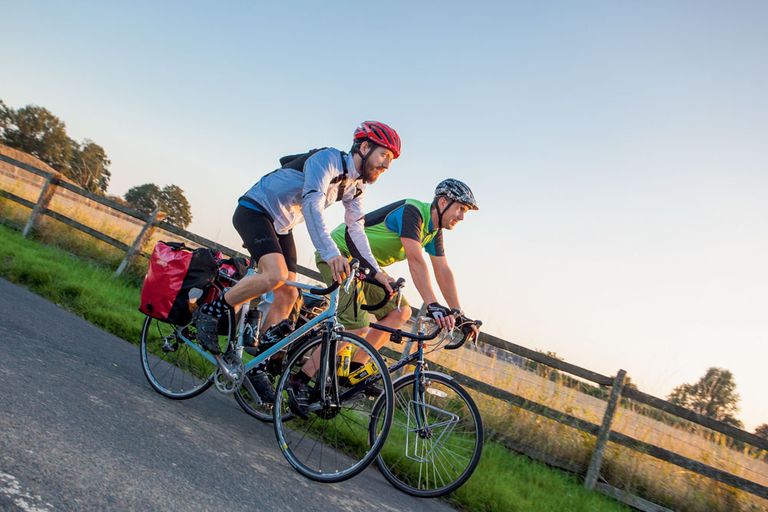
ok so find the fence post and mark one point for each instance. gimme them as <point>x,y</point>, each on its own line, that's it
<point>49,187</point>
<point>144,235</point>
<point>602,436</point>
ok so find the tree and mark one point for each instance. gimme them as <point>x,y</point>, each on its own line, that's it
<point>170,199</point>
<point>714,395</point>
<point>35,130</point>
<point>175,204</point>
<point>762,430</point>
<point>88,166</point>
<point>144,198</point>
<point>5,117</point>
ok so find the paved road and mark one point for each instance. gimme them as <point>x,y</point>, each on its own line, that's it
<point>81,429</point>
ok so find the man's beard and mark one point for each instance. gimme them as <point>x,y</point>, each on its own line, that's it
<point>368,172</point>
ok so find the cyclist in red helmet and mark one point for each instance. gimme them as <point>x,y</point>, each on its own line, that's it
<point>300,190</point>
<point>380,134</point>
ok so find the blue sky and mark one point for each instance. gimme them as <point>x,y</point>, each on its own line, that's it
<point>618,149</point>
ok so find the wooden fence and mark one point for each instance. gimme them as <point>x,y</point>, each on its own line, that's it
<point>602,432</point>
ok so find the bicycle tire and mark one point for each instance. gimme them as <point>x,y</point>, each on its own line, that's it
<point>174,369</point>
<point>333,444</point>
<point>437,465</point>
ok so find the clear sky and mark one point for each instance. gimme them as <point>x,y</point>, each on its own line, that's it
<point>618,149</point>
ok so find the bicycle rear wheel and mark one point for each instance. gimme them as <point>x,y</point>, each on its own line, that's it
<point>173,368</point>
<point>332,444</point>
<point>436,437</point>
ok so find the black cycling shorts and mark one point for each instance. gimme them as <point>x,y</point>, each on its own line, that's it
<point>260,238</point>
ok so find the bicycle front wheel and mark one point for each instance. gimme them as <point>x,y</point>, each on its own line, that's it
<point>436,437</point>
<point>332,444</point>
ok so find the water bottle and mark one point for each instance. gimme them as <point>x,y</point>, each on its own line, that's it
<point>252,322</point>
<point>345,358</point>
<point>366,371</point>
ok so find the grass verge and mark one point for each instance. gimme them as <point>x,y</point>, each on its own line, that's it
<point>83,287</point>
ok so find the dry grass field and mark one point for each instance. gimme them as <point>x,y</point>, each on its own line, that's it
<point>641,474</point>
<point>651,478</point>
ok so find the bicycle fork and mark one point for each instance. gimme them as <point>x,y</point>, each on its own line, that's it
<point>328,391</point>
<point>419,392</point>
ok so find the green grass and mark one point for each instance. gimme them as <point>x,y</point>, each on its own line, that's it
<point>503,480</point>
<point>83,287</point>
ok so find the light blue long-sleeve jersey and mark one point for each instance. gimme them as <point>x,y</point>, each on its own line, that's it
<point>290,196</point>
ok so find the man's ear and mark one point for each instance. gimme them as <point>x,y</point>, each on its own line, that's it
<point>365,146</point>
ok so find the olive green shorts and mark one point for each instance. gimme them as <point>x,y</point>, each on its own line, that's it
<point>367,294</point>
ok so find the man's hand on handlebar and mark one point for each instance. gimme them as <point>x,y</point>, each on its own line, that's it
<point>442,316</point>
<point>384,279</point>
<point>469,327</point>
<point>339,268</point>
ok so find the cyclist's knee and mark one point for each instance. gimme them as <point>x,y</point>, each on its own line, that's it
<point>275,278</point>
<point>401,316</point>
<point>273,270</point>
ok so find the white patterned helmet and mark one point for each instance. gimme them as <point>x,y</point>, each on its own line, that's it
<point>457,191</point>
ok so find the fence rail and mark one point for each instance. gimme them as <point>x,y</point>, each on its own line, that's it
<point>603,432</point>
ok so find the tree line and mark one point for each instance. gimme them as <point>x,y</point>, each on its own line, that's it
<point>713,395</point>
<point>35,130</point>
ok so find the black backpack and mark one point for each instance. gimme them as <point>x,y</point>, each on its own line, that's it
<point>298,161</point>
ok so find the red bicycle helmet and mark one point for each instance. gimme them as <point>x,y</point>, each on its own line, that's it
<point>380,134</point>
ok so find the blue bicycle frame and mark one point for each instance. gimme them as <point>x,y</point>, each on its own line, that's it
<point>327,315</point>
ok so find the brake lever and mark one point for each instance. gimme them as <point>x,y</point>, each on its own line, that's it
<point>477,323</point>
<point>354,268</point>
<point>399,286</point>
<point>348,282</point>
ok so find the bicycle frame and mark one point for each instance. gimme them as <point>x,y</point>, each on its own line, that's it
<point>325,316</point>
<point>418,372</point>
<point>417,356</point>
<point>328,347</point>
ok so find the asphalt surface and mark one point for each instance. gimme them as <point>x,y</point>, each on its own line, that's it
<point>81,429</point>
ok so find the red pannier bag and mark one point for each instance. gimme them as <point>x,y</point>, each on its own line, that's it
<point>174,270</point>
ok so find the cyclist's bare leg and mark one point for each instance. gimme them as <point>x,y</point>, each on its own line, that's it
<point>285,298</point>
<point>272,273</point>
<point>394,319</point>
